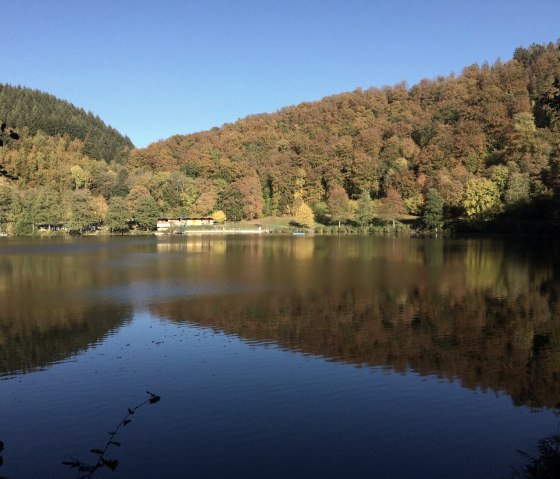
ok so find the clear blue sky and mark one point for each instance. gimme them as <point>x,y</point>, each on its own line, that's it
<point>156,68</point>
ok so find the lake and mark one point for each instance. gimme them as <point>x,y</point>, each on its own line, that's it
<point>277,356</point>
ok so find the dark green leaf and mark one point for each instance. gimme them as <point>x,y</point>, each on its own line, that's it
<point>72,464</point>
<point>111,463</point>
<point>96,451</point>
<point>126,421</point>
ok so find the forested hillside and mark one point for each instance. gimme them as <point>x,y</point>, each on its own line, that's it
<point>471,148</point>
<point>40,112</point>
<point>61,165</point>
<point>479,143</point>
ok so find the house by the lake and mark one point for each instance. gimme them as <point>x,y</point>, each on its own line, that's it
<point>165,225</point>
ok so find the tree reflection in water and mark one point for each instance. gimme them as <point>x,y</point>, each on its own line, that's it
<point>482,313</point>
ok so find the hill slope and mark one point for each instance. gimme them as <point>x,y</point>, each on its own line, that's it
<point>481,145</point>
<point>489,123</point>
<point>22,107</point>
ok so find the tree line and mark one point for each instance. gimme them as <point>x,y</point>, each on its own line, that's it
<point>478,146</point>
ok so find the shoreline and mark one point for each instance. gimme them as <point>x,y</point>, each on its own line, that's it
<point>213,232</point>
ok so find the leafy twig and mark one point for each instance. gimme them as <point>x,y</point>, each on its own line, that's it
<point>102,459</point>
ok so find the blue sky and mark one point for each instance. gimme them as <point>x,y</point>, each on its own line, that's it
<point>156,68</point>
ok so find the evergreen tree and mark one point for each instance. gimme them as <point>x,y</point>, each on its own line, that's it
<point>39,111</point>
<point>230,201</point>
<point>433,210</point>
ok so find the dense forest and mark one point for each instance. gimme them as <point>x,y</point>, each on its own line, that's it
<point>479,147</point>
<point>39,112</point>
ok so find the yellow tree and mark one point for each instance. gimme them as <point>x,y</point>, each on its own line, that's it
<point>219,216</point>
<point>80,176</point>
<point>481,198</point>
<point>303,215</point>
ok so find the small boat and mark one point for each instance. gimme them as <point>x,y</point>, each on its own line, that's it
<point>298,233</point>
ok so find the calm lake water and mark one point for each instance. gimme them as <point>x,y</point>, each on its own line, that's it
<point>278,356</point>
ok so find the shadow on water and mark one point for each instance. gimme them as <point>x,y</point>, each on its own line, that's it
<point>545,464</point>
<point>1,458</point>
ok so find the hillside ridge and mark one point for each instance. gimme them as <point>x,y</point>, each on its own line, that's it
<point>37,111</point>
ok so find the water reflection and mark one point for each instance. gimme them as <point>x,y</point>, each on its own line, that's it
<point>44,317</point>
<point>484,312</point>
<point>479,311</point>
<point>54,335</point>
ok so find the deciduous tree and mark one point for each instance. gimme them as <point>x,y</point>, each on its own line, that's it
<point>481,198</point>
<point>118,216</point>
<point>392,207</point>
<point>338,205</point>
<point>219,216</point>
<point>365,209</point>
<point>146,212</point>
<point>80,212</point>
<point>518,188</point>
<point>303,215</point>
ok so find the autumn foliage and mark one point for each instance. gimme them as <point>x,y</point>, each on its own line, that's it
<point>486,141</point>
<point>440,134</point>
